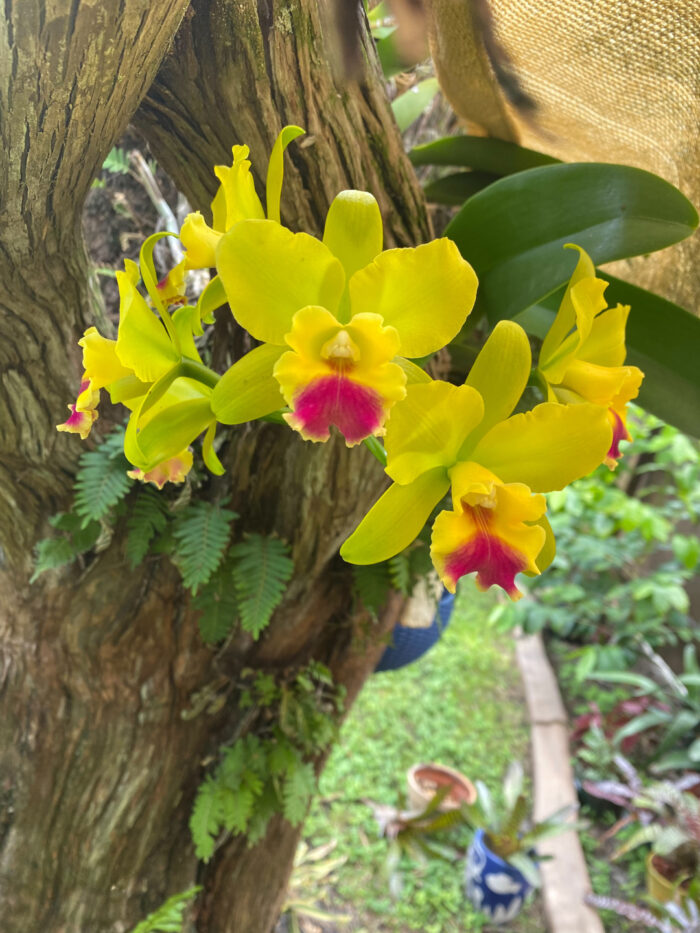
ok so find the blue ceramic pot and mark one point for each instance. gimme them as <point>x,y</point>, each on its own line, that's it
<point>409,644</point>
<point>493,886</point>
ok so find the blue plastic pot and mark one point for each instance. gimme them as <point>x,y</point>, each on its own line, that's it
<point>409,644</point>
<point>493,886</point>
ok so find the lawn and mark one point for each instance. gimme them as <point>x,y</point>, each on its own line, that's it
<point>461,704</point>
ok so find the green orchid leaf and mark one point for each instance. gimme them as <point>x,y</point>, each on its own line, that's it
<point>389,57</point>
<point>458,187</point>
<point>480,153</point>
<point>411,104</point>
<point>513,232</point>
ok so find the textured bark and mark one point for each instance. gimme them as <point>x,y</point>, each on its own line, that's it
<point>97,765</point>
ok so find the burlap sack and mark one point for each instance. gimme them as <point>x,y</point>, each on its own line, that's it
<point>612,80</point>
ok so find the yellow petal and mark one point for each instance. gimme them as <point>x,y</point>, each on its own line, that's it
<point>605,344</point>
<point>248,390</point>
<point>548,447</point>
<point>429,427</point>
<point>500,373</point>
<point>143,344</point>
<point>236,199</point>
<point>426,293</point>
<point>566,316</point>
<point>100,360</point>
<point>200,241</point>
<point>353,231</point>
<point>270,273</point>
<point>275,170</point>
<point>602,385</point>
<point>173,470</point>
<point>395,519</point>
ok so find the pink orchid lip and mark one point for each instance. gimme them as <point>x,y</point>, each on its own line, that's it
<point>495,563</point>
<point>620,433</point>
<point>356,410</point>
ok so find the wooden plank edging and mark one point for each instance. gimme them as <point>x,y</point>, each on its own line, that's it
<point>565,878</point>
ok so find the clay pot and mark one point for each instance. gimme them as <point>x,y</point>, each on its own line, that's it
<point>659,886</point>
<point>425,779</point>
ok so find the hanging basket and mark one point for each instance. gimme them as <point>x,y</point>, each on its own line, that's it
<point>409,644</point>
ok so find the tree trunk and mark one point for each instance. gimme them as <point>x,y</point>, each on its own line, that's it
<point>98,766</point>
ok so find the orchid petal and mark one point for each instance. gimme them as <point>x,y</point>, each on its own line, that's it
<point>212,297</point>
<point>186,323</point>
<point>270,273</point>
<point>426,293</point>
<point>500,373</point>
<point>275,170</point>
<point>605,344</point>
<point>200,242</point>
<point>171,430</point>
<point>489,531</point>
<point>213,464</point>
<point>248,389</point>
<point>395,519</point>
<point>100,360</point>
<point>566,316</point>
<point>143,344</point>
<point>602,385</point>
<point>428,428</point>
<point>413,372</point>
<point>548,447</point>
<point>353,231</point>
<point>173,470</point>
<point>236,198</point>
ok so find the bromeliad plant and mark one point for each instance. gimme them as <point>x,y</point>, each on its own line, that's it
<point>509,832</point>
<point>342,327</point>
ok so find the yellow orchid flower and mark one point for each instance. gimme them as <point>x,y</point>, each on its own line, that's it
<point>338,319</point>
<point>235,200</point>
<point>154,368</point>
<point>582,356</point>
<point>498,466</point>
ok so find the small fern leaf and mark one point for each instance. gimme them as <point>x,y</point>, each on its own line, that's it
<point>101,481</point>
<point>52,553</point>
<point>216,602</point>
<point>371,584</point>
<point>201,532</point>
<point>299,785</point>
<point>261,571</point>
<point>169,916</point>
<point>238,805</point>
<point>117,162</point>
<point>148,516</point>
<point>207,818</point>
<point>74,540</point>
<point>400,573</point>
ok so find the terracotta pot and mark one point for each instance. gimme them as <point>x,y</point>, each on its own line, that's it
<point>659,887</point>
<point>425,779</point>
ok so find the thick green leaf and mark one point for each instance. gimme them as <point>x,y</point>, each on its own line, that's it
<point>479,152</point>
<point>457,188</point>
<point>389,57</point>
<point>410,105</point>
<point>513,232</point>
<point>663,339</point>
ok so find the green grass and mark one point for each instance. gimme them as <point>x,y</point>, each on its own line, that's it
<point>461,704</point>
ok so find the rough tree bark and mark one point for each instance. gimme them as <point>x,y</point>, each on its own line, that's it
<point>97,765</point>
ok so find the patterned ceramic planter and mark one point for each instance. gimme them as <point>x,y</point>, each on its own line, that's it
<point>493,886</point>
<point>409,644</point>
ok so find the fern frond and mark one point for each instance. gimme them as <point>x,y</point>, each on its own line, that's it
<point>101,480</point>
<point>148,516</point>
<point>216,601</point>
<point>400,573</point>
<point>201,533</point>
<point>261,571</point>
<point>168,918</point>
<point>299,785</point>
<point>371,584</point>
<point>117,162</point>
<point>207,817</point>
<point>75,540</point>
